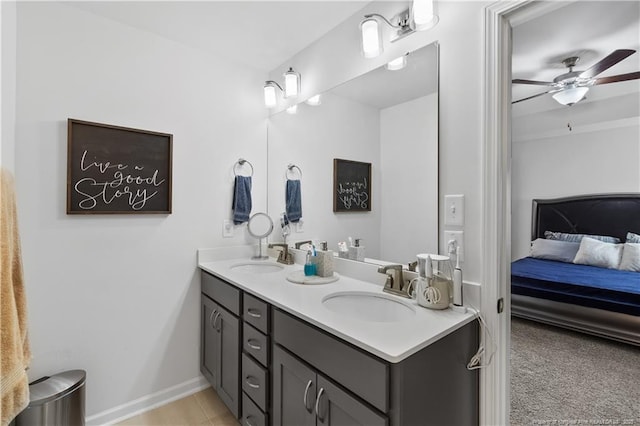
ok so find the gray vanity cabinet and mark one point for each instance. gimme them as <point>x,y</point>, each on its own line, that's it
<point>220,340</point>
<point>304,397</point>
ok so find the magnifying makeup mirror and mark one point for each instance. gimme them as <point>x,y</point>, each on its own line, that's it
<point>260,226</point>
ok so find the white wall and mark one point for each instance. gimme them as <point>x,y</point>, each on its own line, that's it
<point>599,154</point>
<point>408,158</point>
<point>118,295</point>
<point>336,58</point>
<point>8,85</point>
<point>311,139</point>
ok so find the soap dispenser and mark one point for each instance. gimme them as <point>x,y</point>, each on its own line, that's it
<point>356,251</point>
<point>309,264</point>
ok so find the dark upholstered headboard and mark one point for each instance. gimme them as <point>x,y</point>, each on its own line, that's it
<point>596,214</point>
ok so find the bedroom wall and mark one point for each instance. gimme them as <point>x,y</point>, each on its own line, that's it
<point>599,154</point>
<point>118,295</point>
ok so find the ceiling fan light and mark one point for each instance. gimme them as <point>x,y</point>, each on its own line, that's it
<point>571,95</point>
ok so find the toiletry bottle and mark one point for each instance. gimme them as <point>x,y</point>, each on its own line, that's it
<point>457,281</point>
<point>356,252</point>
<point>309,266</point>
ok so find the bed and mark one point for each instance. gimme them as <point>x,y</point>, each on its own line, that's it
<point>600,301</point>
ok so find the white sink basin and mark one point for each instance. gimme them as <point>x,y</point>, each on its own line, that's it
<point>257,267</point>
<point>373,307</point>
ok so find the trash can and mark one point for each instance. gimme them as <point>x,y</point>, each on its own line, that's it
<point>56,400</point>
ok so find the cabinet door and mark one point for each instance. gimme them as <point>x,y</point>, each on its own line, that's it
<point>210,342</point>
<point>228,387</point>
<point>220,353</point>
<point>294,390</point>
<point>335,407</point>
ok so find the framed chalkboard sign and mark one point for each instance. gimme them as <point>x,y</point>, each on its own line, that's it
<point>112,169</point>
<point>351,186</point>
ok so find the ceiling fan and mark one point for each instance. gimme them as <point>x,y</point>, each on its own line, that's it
<point>569,88</point>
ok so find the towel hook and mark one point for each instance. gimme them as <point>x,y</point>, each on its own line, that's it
<point>290,168</point>
<point>241,162</point>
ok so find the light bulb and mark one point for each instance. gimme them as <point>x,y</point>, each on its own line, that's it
<point>371,38</point>
<point>397,64</point>
<point>422,16</point>
<point>292,109</point>
<point>270,99</point>
<point>291,84</point>
<point>314,100</point>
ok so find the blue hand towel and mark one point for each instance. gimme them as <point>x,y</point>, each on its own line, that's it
<point>241,205</point>
<point>293,200</point>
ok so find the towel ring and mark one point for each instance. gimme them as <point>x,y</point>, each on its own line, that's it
<point>290,168</point>
<point>241,162</point>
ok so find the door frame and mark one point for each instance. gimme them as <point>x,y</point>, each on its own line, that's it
<point>499,18</point>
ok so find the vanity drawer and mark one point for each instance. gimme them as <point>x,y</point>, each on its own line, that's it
<point>251,413</point>
<point>256,344</point>
<point>256,313</point>
<point>363,374</point>
<point>223,293</point>
<point>255,381</point>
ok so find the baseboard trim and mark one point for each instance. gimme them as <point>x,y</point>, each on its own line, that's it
<point>148,402</point>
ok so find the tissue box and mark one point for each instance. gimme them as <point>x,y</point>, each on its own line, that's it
<point>324,263</point>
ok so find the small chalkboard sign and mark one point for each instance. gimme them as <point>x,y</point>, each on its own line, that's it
<point>112,169</point>
<point>351,186</point>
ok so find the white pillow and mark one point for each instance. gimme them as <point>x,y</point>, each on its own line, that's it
<point>598,253</point>
<point>562,251</point>
<point>630,257</point>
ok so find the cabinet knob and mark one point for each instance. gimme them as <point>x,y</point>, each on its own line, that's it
<point>306,395</point>
<point>318,405</point>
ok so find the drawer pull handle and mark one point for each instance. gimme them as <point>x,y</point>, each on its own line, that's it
<point>212,321</point>
<point>318,405</point>
<point>248,380</point>
<point>306,394</point>
<point>217,327</point>
<point>253,345</point>
<point>254,313</point>
<point>247,422</point>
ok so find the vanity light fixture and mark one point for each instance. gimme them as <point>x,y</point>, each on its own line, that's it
<point>270,95</point>
<point>292,109</point>
<point>418,17</point>
<point>422,16</point>
<point>571,95</point>
<point>291,88</point>
<point>291,83</point>
<point>397,64</point>
<point>314,100</point>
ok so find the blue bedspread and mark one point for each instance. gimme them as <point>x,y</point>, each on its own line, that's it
<point>601,288</point>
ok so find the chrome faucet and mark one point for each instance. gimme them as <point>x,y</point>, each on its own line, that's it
<point>284,256</point>
<point>301,243</point>
<point>395,281</point>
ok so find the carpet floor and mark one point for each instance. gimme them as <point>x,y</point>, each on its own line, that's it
<point>561,377</point>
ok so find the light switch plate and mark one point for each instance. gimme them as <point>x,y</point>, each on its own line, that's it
<point>458,237</point>
<point>300,226</point>
<point>227,229</point>
<point>454,210</point>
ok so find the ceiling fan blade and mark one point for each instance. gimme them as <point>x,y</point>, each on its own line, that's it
<point>607,63</point>
<point>538,83</point>
<point>616,78</point>
<point>534,96</point>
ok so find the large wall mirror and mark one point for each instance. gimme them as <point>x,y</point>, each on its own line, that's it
<point>388,118</point>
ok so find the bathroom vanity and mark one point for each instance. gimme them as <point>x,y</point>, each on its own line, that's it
<point>280,353</point>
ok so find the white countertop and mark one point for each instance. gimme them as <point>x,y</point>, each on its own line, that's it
<point>392,341</point>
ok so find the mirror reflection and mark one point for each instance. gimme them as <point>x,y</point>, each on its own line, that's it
<point>388,118</point>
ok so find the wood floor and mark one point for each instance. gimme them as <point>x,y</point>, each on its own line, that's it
<point>200,409</point>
